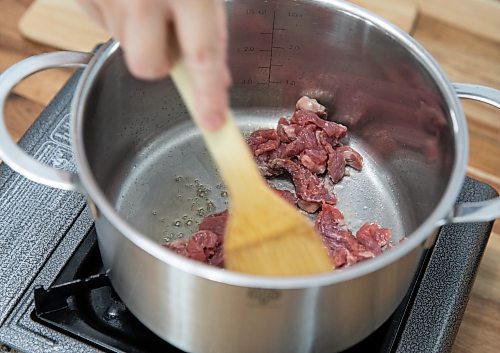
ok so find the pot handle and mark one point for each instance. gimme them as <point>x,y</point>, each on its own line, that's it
<point>10,152</point>
<point>483,211</point>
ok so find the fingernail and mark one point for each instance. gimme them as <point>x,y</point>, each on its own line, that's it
<point>212,121</point>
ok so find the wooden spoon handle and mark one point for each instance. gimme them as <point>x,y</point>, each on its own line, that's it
<point>226,145</point>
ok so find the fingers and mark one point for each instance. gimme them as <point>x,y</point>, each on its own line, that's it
<point>144,40</point>
<point>93,11</point>
<point>201,31</point>
<point>113,13</point>
<point>141,27</point>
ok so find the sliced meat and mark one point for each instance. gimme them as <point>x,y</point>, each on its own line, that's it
<point>336,162</point>
<point>308,206</point>
<point>304,146</point>
<point>215,223</point>
<point>307,134</point>
<point>311,105</point>
<point>338,239</point>
<point>324,140</point>
<point>351,157</point>
<point>336,165</point>
<point>303,117</point>
<point>218,257</point>
<point>266,146</point>
<point>179,246</point>
<point>203,246</point>
<point>286,195</point>
<point>308,149</point>
<point>314,160</point>
<point>293,149</point>
<point>339,157</point>
<point>265,166</point>
<point>285,131</point>
<point>308,186</point>
<point>262,141</point>
<point>344,248</point>
<point>206,245</point>
<point>374,237</point>
<point>305,138</point>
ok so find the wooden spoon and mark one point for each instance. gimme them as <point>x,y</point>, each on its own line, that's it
<point>264,234</point>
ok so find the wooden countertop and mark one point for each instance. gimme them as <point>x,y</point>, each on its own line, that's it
<point>467,51</point>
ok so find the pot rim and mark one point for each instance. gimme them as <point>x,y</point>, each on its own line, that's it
<point>415,239</point>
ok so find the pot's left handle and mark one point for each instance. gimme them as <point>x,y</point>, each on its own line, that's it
<point>12,154</point>
<point>483,211</point>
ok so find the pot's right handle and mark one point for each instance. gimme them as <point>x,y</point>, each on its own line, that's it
<point>12,154</point>
<point>479,93</point>
<point>483,211</point>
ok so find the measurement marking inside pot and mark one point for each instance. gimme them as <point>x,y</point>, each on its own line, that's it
<point>271,56</point>
<point>270,50</point>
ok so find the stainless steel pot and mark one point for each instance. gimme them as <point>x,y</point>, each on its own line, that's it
<point>145,171</point>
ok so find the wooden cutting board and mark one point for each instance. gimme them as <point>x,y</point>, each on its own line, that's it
<point>63,25</point>
<point>478,17</point>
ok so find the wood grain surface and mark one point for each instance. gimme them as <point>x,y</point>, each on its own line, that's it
<point>43,20</point>
<point>464,37</point>
<point>479,17</point>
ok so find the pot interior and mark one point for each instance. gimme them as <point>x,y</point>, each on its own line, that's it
<point>150,161</point>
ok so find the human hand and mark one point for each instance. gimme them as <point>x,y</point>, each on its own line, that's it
<point>143,28</point>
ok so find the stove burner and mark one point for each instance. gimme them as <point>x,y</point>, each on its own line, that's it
<point>83,304</point>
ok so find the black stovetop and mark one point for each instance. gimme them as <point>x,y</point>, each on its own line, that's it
<point>83,304</point>
<point>47,241</point>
